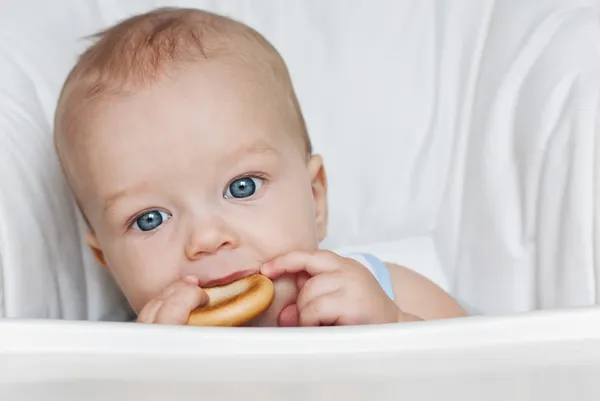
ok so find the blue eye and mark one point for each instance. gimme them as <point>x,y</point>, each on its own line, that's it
<point>243,187</point>
<point>151,220</point>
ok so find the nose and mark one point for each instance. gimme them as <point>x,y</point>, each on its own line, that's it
<point>209,236</point>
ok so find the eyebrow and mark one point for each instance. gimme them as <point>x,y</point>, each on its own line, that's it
<point>259,147</point>
<point>110,202</point>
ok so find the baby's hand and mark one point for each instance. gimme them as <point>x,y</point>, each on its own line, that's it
<point>174,304</point>
<point>340,291</point>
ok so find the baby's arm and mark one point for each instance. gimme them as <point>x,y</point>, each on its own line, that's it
<point>420,298</point>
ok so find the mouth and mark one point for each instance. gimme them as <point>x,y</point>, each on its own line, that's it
<point>227,279</point>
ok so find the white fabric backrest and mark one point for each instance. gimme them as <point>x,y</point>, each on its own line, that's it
<point>466,126</point>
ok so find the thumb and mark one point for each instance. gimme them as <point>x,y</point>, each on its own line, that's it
<point>288,317</point>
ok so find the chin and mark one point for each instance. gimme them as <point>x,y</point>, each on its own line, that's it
<point>286,293</point>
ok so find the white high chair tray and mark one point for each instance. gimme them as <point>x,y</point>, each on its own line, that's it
<point>546,356</point>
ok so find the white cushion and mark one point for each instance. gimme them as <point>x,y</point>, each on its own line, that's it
<point>468,124</point>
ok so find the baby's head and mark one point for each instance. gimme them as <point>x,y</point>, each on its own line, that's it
<point>182,140</point>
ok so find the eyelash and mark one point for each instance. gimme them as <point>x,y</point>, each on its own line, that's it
<point>262,176</point>
<point>132,220</point>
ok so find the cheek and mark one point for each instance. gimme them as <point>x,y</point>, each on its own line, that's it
<point>141,269</point>
<point>289,216</point>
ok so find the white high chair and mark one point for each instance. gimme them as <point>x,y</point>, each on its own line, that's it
<point>470,128</point>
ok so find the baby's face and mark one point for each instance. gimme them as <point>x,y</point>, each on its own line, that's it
<point>198,174</point>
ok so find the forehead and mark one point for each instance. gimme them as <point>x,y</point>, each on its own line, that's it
<point>203,116</point>
<point>214,101</point>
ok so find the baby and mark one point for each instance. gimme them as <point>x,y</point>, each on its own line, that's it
<point>182,140</point>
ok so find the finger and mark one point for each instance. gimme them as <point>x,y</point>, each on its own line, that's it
<point>317,287</point>
<point>148,312</point>
<point>177,307</point>
<point>325,310</point>
<point>176,286</point>
<point>313,263</point>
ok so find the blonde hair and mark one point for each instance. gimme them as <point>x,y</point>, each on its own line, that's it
<point>135,52</point>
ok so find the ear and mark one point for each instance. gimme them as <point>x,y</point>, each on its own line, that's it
<point>318,180</point>
<point>92,241</point>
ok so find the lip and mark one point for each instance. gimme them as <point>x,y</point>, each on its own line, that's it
<point>227,279</point>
